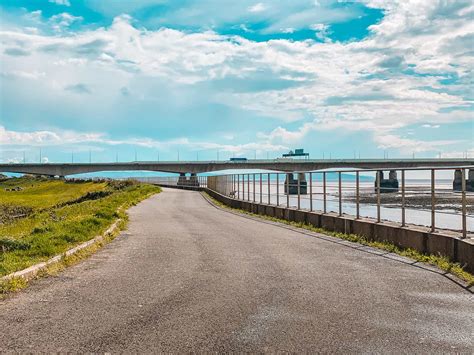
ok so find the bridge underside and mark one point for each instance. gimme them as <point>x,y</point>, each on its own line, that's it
<point>213,166</point>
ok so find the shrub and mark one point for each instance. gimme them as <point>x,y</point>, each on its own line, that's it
<point>7,244</point>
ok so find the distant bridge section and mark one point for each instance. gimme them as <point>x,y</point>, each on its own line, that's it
<point>197,167</point>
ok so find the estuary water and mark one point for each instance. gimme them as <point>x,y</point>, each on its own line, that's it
<point>446,216</point>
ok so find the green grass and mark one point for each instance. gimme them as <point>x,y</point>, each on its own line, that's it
<point>44,193</point>
<point>58,221</point>
<point>441,262</point>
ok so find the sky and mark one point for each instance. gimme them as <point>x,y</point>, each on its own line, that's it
<point>122,80</point>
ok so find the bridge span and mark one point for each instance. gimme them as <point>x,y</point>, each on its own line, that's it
<point>197,167</point>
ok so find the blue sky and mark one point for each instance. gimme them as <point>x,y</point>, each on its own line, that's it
<point>246,78</point>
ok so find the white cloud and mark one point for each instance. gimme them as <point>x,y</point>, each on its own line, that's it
<point>61,21</point>
<point>386,82</point>
<point>406,145</point>
<point>61,2</point>
<point>70,138</point>
<point>34,75</point>
<point>322,31</point>
<point>259,7</point>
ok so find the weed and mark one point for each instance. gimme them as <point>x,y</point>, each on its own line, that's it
<point>14,284</point>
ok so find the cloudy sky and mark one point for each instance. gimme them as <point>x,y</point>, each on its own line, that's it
<point>241,78</point>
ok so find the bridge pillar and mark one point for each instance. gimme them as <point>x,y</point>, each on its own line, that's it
<point>457,182</point>
<point>303,184</point>
<point>193,180</point>
<point>289,183</point>
<point>182,179</point>
<point>392,175</point>
<point>293,184</point>
<point>387,185</point>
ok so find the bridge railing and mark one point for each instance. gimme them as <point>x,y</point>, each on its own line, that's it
<point>428,198</point>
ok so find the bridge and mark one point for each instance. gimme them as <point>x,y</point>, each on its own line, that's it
<point>197,167</point>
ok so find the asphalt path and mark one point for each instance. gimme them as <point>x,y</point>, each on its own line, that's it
<point>187,276</point>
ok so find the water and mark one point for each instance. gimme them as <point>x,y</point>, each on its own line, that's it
<point>444,219</point>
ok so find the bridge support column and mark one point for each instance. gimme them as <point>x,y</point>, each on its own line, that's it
<point>289,184</point>
<point>303,184</point>
<point>293,184</point>
<point>193,180</point>
<point>457,182</point>
<point>392,181</point>
<point>182,179</point>
<point>387,185</point>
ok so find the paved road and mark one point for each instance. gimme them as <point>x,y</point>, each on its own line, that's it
<point>187,276</point>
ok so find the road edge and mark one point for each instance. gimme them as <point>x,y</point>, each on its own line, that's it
<point>32,271</point>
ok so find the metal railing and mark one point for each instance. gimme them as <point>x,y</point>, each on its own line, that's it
<point>429,202</point>
<point>406,199</point>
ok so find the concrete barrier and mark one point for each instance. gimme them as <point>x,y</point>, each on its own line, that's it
<point>443,243</point>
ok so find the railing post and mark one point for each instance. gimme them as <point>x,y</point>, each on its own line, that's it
<point>261,199</point>
<point>238,186</point>
<point>311,192</point>
<point>268,183</point>
<point>378,195</point>
<point>298,186</point>
<point>403,198</point>
<point>278,188</point>
<point>357,196</point>
<point>253,187</point>
<point>243,187</point>
<point>463,202</point>
<point>287,180</point>
<point>248,187</point>
<point>324,192</point>
<point>340,193</point>
<point>433,201</point>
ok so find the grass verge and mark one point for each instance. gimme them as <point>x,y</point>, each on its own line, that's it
<point>57,226</point>
<point>441,262</point>
<point>16,284</point>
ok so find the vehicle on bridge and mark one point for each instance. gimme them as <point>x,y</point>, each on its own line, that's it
<point>297,153</point>
<point>238,159</point>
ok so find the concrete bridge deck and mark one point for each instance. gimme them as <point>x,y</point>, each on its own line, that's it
<point>187,276</point>
<point>195,167</point>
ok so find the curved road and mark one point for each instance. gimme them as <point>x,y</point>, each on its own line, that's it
<point>188,276</point>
